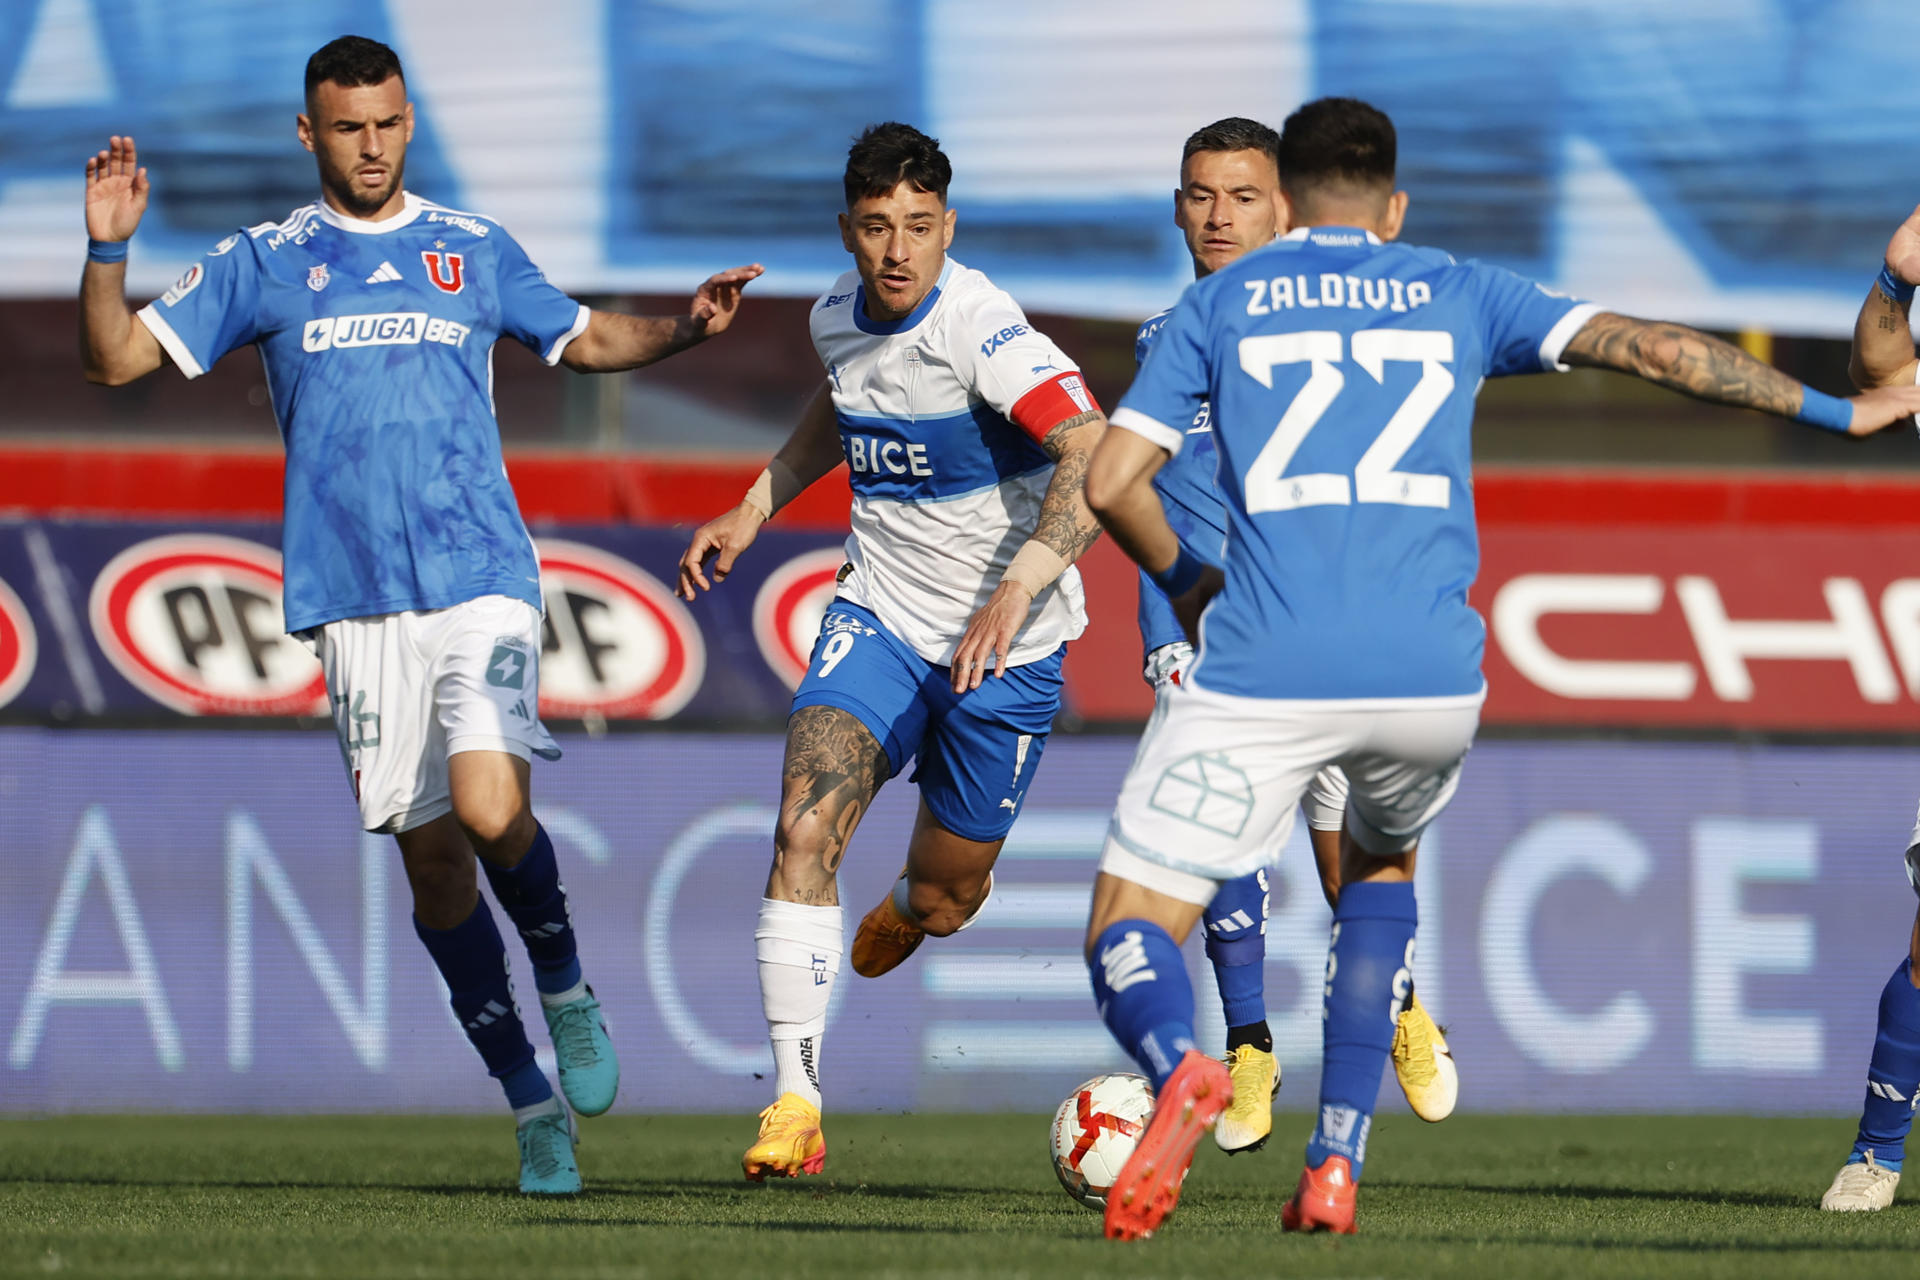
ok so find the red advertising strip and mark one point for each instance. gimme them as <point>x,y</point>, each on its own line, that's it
<point>1613,598</point>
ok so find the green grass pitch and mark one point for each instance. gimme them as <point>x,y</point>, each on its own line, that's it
<point>919,1196</point>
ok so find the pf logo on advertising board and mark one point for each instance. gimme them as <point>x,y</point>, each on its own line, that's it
<point>616,642</point>
<point>788,609</point>
<point>194,622</point>
<point>19,646</point>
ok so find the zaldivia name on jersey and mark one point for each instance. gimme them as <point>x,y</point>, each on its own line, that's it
<point>1356,293</point>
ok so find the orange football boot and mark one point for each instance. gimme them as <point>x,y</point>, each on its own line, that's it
<point>1149,1183</point>
<point>885,938</point>
<point>1324,1200</point>
<point>790,1142</point>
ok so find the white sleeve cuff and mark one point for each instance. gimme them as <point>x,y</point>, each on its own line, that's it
<point>169,340</point>
<point>1168,438</point>
<point>559,346</point>
<point>1562,333</point>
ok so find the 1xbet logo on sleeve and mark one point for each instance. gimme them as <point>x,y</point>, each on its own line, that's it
<point>388,329</point>
<point>1002,338</point>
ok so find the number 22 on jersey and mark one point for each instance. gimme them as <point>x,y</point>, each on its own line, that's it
<point>1374,479</point>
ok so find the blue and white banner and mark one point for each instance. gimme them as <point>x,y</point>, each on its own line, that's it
<point>193,923</point>
<point>1724,162</point>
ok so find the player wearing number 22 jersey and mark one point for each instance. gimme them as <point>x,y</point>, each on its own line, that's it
<point>1342,370</point>
<point>966,434</point>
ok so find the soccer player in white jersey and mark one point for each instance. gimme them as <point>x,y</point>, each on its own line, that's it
<point>1341,368</point>
<point>408,569</point>
<point>1227,205</point>
<point>1883,356</point>
<point>967,434</point>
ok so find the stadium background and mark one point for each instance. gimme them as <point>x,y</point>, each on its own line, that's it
<point>1671,880</point>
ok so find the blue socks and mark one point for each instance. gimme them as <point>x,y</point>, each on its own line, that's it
<point>1236,929</point>
<point>1893,1075</point>
<point>473,960</point>
<point>1140,984</point>
<point>534,899</point>
<point>1369,976</point>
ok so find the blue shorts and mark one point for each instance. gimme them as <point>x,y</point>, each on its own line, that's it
<point>977,750</point>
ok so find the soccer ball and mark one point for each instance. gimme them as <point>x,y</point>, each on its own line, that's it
<point>1094,1132</point>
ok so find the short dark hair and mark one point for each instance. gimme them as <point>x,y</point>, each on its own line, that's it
<point>1235,133</point>
<point>1337,142</point>
<point>886,155</point>
<point>350,62</point>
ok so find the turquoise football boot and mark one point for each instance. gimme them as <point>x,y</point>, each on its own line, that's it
<point>589,1071</point>
<point>547,1166</point>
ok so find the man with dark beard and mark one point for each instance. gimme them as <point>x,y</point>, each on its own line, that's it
<point>408,570</point>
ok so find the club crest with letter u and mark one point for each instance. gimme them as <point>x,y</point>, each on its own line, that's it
<point>446,270</point>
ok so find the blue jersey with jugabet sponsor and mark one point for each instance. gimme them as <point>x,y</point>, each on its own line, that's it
<point>1342,373</point>
<point>1191,496</point>
<point>377,339</point>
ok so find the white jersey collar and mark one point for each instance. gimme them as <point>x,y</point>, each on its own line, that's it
<point>410,208</point>
<point>1336,234</point>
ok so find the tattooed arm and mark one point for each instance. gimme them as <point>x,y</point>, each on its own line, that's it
<point>1883,334</point>
<point>1702,366</point>
<point>1065,529</point>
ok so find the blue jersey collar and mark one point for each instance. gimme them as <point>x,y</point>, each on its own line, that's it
<point>867,324</point>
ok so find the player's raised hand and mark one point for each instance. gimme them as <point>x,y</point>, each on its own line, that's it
<point>718,298</point>
<point>720,540</point>
<point>116,191</point>
<point>989,636</point>
<point>1883,407</point>
<point>1903,251</point>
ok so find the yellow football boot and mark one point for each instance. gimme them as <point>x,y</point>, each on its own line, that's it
<point>1423,1064</point>
<point>1245,1124</point>
<point>790,1142</point>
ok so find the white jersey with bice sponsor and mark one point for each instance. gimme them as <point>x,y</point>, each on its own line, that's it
<point>941,414</point>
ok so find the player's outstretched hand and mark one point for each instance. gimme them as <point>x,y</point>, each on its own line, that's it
<point>989,637</point>
<point>1903,251</point>
<point>1188,607</point>
<point>116,191</point>
<point>720,540</point>
<point>1883,407</point>
<point>718,298</point>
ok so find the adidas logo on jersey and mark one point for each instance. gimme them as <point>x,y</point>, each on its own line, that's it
<point>386,274</point>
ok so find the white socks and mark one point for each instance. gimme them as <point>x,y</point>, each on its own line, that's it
<point>798,948</point>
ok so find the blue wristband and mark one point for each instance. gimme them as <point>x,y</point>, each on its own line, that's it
<point>115,250</point>
<point>1830,413</point>
<point>1893,286</point>
<point>1178,578</point>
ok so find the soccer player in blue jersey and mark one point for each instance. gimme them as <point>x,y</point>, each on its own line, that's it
<point>1883,356</point>
<point>1228,204</point>
<point>407,567</point>
<point>1342,369</point>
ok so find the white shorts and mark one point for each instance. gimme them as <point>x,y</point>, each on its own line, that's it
<point>1211,793</point>
<point>411,689</point>
<point>1324,805</point>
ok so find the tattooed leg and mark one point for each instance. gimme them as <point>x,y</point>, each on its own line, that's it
<point>833,769</point>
